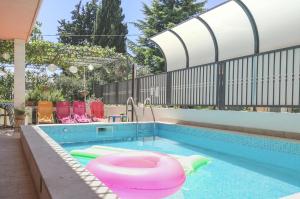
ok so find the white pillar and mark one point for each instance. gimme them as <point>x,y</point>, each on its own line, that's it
<point>19,76</point>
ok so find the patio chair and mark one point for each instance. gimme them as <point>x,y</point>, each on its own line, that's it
<point>97,111</point>
<point>45,112</point>
<point>63,113</point>
<point>79,112</point>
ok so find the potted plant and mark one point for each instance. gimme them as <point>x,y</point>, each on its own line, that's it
<point>33,97</point>
<point>84,93</point>
<point>52,95</point>
<point>19,117</point>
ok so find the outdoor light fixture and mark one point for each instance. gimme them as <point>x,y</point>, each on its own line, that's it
<point>73,69</point>
<point>6,56</point>
<point>90,67</point>
<point>52,68</point>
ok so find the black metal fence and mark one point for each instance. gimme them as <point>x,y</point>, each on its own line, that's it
<point>267,79</point>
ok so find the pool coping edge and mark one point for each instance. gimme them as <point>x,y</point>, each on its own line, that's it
<point>56,174</point>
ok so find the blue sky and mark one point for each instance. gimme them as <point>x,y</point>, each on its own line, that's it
<point>54,10</point>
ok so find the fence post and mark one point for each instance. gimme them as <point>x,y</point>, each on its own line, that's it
<point>133,88</point>
<point>221,85</point>
<point>98,91</point>
<point>104,96</point>
<point>133,81</point>
<point>117,92</point>
<point>127,89</point>
<point>169,89</point>
<point>138,87</point>
<point>101,92</point>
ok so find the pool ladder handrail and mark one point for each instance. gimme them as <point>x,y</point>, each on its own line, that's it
<point>147,101</point>
<point>131,101</point>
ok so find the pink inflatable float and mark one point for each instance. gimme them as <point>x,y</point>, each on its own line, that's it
<point>144,175</point>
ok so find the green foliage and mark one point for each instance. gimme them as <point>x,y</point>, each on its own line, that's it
<point>6,47</point>
<point>159,16</point>
<point>109,66</point>
<point>70,86</point>
<point>41,93</point>
<point>6,85</point>
<point>40,52</point>
<point>34,95</point>
<point>82,23</point>
<point>109,21</point>
<point>117,70</point>
<point>44,52</point>
<point>54,95</point>
<point>37,32</point>
<point>36,76</point>
<point>19,112</point>
<point>93,20</point>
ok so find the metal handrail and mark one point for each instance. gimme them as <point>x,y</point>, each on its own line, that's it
<point>147,101</point>
<point>130,99</point>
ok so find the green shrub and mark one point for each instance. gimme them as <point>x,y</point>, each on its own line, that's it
<point>41,93</point>
<point>70,87</point>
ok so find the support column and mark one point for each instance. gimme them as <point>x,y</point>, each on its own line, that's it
<point>19,73</point>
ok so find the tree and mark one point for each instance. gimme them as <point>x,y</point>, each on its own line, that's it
<point>37,32</point>
<point>109,21</point>
<point>159,16</point>
<point>70,86</point>
<point>82,23</point>
<point>6,84</point>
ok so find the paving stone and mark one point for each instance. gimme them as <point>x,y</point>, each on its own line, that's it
<point>15,178</point>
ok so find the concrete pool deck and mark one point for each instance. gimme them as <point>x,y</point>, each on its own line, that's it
<point>15,181</point>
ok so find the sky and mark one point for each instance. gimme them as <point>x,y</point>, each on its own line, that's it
<point>54,10</point>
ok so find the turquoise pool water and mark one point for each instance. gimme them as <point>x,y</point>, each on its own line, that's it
<point>241,166</point>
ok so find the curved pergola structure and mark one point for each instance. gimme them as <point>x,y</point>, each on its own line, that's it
<point>233,29</point>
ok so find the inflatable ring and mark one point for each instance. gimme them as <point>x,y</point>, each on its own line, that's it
<point>139,175</point>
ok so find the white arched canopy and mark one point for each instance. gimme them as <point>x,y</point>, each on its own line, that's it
<point>198,42</point>
<point>278,22</point>
<point>232,29</point>
<point>236,28</point>
<point>173,50</point>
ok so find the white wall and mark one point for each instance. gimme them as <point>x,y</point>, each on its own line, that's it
<point>288,122</point>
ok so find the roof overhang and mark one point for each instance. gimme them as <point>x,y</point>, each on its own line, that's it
<point>17,18</point>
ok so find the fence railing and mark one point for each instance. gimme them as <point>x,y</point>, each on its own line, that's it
<point>269,79</point>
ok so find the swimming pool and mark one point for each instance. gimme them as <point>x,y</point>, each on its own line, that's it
<point>241,165</point>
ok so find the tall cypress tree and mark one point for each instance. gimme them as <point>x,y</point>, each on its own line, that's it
<point>82,23</point>
<point>109,21</point>
<point>160,15</point>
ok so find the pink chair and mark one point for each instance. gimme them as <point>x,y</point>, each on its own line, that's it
<point>97,111</point>
<point>63,113</point>
<point>79,112</point>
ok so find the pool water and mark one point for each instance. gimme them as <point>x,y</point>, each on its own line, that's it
<point>223,177</point>
<point>227,175</point>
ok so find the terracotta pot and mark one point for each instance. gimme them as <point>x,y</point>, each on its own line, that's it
<point>20,117</point>
<point>84,93</point>
<point>19,120</point>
